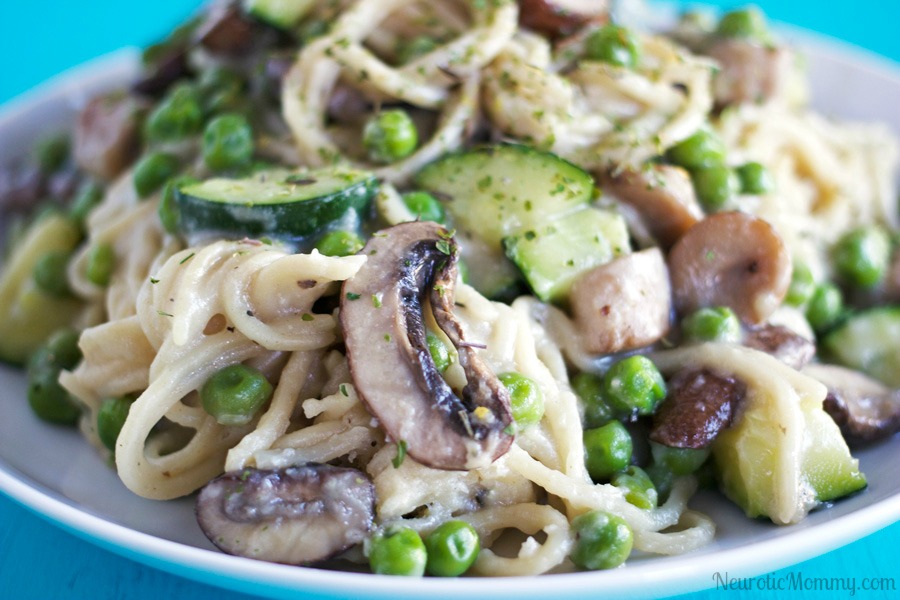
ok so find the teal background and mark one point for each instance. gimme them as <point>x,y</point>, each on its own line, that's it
<point>40,39</point>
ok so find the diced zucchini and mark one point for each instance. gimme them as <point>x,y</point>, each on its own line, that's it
<point>275,203</point>
<point>783,457</point>
<point>553,255</point>
<point>283,14</point>
<point>494,192</point>
<point>869,342</point>
<point>27,315</point>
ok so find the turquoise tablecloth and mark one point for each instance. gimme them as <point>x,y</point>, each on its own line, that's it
<point>39,39</point>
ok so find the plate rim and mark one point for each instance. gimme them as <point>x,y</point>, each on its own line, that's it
<point>671,576</point>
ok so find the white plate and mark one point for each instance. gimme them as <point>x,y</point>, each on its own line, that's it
<point>84,496</point>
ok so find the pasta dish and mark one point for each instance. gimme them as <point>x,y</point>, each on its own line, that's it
<point>460,287</point>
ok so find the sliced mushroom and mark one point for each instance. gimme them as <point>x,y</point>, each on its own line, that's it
<point>700,403</point>
<point>107,136</point>
<point>623,304</point>
<point>730,259</point>
<point>21,187</point>
<point>864,408</point>
<point>384,332</point>
<point>224,30</point>
<point>299,515</point>
<point>787,346</point>
<point>750,71</point>
<point>559,18</point>
<point>166,71</point>
<point>662,195</point>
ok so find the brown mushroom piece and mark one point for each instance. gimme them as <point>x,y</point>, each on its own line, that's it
<point>225,30</point>
<point>749,71</point>
<point>865,409</point>
<point>559,18</point>
<point>662,195</point>
<point>699,404</point>
<point>107,137</point>
<point>730,259</point>
<point>787,346</point>
<point>384,332</point>
<point>298,515</point>
<point>623,304</point>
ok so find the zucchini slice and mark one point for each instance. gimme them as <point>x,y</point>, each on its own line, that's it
<point>283,14</point>
<point>276,203</point>
<point>494,192</point>
<point>553,255</point>
<point>27,315</point>
<point>869,342</point>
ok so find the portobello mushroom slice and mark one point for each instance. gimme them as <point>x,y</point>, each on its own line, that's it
<point>700,403</point>
<point>559,18</point>
<point>865,409</point>
<point>297,516</point>
<point>384,332</point>
<point>784,344</point>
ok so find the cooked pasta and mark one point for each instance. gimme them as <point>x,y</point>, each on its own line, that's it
<point>182,305</point>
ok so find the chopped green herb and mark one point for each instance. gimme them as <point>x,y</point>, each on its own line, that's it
<point>401,454</point>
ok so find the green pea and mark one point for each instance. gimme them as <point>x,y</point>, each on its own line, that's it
<point>755,178</point>
<point>425,206</point>
<point>602,540</point>
<point>637,487</point>
<point>451,549</point>
<point>101,262</point>
<point>219,77</point>
<point>234,394</point>
<point>89,195</point>
<point>715,186</point>
<point>339,243</point>
<point>50,273</point>
<point>862,256</point>
<point>390,136</point>
<point>607,450</point>
<point>825,307</point>
<point>440,354</point>
<point>613,45</point>
<point>409,50</point>
<point>715,324</point>
<point>110,419</point>
<point>397,551</point>
<point>634,386</point>
<point>703,149</point>
<point>48,399</point>
<point>588,387</point>
<point>526,398</point>
<point>176,117</point>
<point>743,23</point>
<point>227,142</point>
<point>680,461</point>
<point>152,171</point>
<point>663,478</point>
<point>802,287</point>
<point>62,348</point>
<point>52,152</point>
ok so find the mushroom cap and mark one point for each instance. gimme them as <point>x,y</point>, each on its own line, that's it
<point>559,18</point>
<point>865,409</point>
<point>299,515</point>
<point>662,195</point>
<point>393,371</point>
<point>730,259</point>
